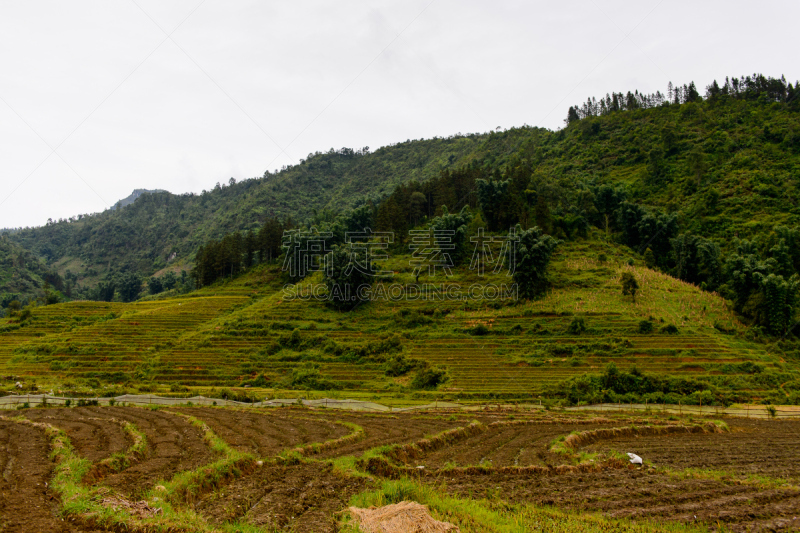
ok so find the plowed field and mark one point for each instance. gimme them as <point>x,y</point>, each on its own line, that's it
<point>26,502</point>
<point>746,479</point>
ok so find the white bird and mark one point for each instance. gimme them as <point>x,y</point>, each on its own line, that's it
<point>635,459</point>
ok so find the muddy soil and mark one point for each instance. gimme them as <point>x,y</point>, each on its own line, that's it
<point>381,430</point>
<point>266,433</point>
<point>523,445</point>
<point>93,439</point>
<point>173,445</point>
<point>639,494</point>
<point>306,497</point>
<point>753,447</point>
<point>301,498</point>
<point>26,503</point>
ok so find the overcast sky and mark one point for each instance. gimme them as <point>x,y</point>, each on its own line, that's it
<point>98,98</point>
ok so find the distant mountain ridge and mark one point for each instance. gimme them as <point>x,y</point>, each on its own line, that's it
<point>133,197</point>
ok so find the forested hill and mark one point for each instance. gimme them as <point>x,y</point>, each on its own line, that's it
<point>722,165</point>
<point>23,275</point>
<point>160,229</point>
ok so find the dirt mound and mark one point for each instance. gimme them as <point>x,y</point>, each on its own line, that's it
<point>138,509</point>
<point>403,517</point>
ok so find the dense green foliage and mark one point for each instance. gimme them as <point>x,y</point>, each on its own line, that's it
<point>533,256</point>
<point>705,185</point>
<point>236,252</point>
<point>23,278</point>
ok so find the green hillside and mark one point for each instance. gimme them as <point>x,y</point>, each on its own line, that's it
<point>162,229</point>
<point>658,259</point>
<point>244,332</point>
<point>727,166</point>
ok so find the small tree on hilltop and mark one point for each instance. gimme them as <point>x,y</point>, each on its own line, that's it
<point>629,285</point>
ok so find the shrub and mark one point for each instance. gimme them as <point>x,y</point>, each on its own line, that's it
<point>629,285</point>
<point>577,326</point>
<point>413,318</point>
<point>645,326</point>
<point>400,365</point>
<point>308,376</point>
<point>261,380</point>
<point>429,378</point>
<point>479,330</point>
<point>671,329</point>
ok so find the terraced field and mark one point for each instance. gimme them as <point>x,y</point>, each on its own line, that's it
<point>227,335</point>
<point>298,469</point>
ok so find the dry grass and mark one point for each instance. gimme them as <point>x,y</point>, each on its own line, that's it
<point>138,509</point>
<point>403,517</point>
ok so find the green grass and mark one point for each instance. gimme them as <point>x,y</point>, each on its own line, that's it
<point>185,486</point>
<point>497,516</point>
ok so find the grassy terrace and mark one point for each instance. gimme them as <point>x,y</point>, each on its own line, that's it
<point>230,333</point>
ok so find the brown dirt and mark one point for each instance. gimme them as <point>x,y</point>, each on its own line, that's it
<point>93,439</point>
<point>752,447</point>
<point>301,498</point>
<point>380,430</point>
<point>763,447</point>
<point>26,503</point>
<point>265,433</point>
<point>499,445</point>
<point>639,494</point>
<point>307,496</point>
<point>174,445</point>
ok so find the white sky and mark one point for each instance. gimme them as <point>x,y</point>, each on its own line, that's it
<point>100,97</point>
